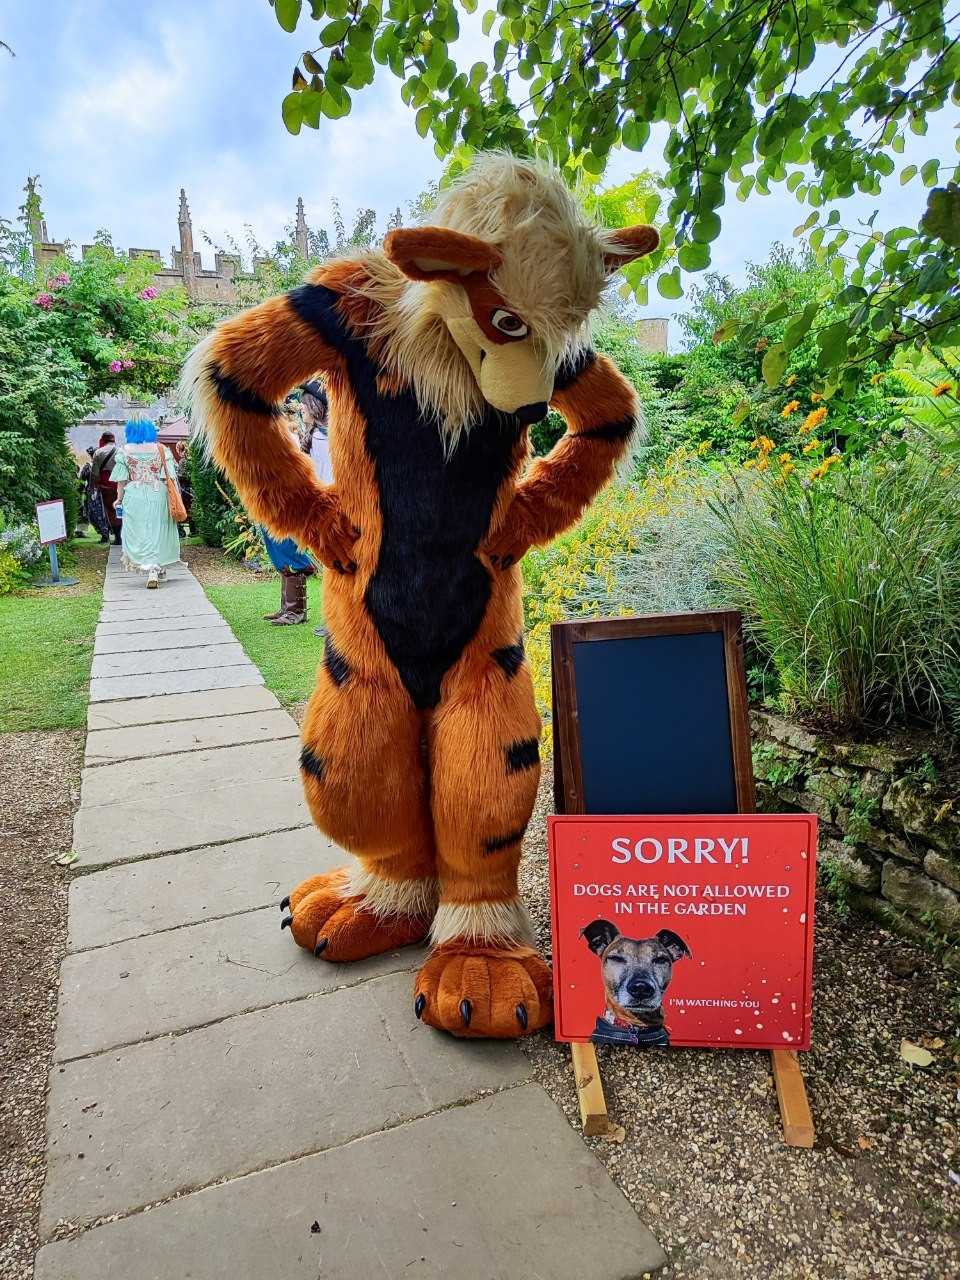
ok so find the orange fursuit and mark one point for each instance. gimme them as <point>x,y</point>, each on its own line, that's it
<point>421,740</point>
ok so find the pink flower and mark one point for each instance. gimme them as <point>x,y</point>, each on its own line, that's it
<point>128,364</point>
<point>148,294</point>
<point>43,300</point>
<point>115,366</point>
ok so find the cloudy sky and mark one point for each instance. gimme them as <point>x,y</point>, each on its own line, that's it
<point>117,104</point>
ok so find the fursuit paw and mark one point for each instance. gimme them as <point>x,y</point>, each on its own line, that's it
<point>484,993</point>
<point>335,536</point>
<point>325,919</point>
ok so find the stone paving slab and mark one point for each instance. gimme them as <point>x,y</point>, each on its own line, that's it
<point>225,652</point>
<point>256,764</point>
<point>117,833</point>
<point>502,1189</point>
<point>147,686</point>
<point>151,638</point>
<point>177,889</point>
<point>149,605</point>
<point>107,746</point>
<point>181,706</point>
<point>158,623</point>
<point>181,1112</point>
<point>185,978</point>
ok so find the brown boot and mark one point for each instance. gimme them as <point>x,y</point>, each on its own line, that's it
<point>294,609</point>
<point>271,617</point>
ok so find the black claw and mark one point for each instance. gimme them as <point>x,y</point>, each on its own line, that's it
<point>507,562</point>
<point>420,1004</point>
<point>338,566</point>
<point>522,1016</point>
<point>494,559</point>
<point>466,1011</point>
<point>284,902</point>
<point>286,922</point>
<point>352,566</point>
<point>321,947</point>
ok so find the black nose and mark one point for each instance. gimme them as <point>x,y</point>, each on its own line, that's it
<point>640,989</point>
<point>530,413</point>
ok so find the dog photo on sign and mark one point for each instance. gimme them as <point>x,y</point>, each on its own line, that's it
<point>636,973</point>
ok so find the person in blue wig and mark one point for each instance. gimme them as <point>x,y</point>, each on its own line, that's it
<point>149,535</point>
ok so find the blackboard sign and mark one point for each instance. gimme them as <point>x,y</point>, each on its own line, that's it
<point>650,715</point>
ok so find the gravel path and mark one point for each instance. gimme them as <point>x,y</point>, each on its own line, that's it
<point>212,568</point>
<point>703,1162</point>
<point>39,790</point>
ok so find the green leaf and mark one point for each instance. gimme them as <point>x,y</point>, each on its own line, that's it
<point>729,329</point>
<point>288,15</point>
<point>942,218</point>
<point>706,228</point>
<point>693,257</point>
<point>929,173</point>
<point>424,120</point>
<point>489,18</point>
<point>292,111</point>
<point>740,413</point>
<point>669,286</point>
<point>799,326</point>
<point>636,134</point>
<point>334,32</point>
<point>774,364</point>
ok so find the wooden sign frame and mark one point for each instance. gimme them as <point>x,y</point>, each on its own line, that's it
<point>569,799</point>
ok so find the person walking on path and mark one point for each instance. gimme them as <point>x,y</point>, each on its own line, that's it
<point>103,479</point>
<point>150,540</point>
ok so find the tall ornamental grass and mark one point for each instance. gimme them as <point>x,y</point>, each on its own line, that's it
<point>848,575</point>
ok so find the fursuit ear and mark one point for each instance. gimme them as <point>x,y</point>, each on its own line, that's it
<point>674,944</point>
<point>628,244</point>
<point>599,934</point>
<point>435,253</point>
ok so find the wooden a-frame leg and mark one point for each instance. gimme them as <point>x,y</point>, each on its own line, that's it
<point>792,1096</point>
<point>593,1105</point>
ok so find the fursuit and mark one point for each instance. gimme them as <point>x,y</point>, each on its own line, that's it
<point>421,740</point>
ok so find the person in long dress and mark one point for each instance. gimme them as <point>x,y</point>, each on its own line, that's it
<point>150,540</point>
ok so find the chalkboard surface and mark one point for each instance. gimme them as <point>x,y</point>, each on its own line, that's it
<point>655,725</point>
<point>650,715</point>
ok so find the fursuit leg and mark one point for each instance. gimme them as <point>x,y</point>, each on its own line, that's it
<point>483,977</point>
<point>364,775</point>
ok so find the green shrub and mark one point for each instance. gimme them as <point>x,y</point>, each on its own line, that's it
<point>215,501</point>
<point>849,578</point>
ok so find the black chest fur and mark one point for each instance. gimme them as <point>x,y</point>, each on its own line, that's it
<point>429,592</point>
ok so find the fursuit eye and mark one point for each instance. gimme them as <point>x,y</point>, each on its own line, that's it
<point>506,322</point>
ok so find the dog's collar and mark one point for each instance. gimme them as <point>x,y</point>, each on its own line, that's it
<point>619,1032</point>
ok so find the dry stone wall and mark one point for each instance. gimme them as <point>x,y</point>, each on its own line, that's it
<point>889,829</point>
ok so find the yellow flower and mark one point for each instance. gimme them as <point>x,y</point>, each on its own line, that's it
<point>813,419</point>
<point>816,396</point>
<point>809,448</point>
<point>832,461</point>
<point>763,464</point>
<point>787,468</point>
<point>791,380</point>
<point>704,446</point>
<point>817,472</point>
<point>877,377</point>
<point>942,388</point>
<point>784,457</point>
<point>792,407</point>
<point>752,463</point>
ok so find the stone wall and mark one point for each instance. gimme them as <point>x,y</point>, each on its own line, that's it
<point>889,830</point>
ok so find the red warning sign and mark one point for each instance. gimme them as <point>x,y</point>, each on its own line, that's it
<point>694,931</point>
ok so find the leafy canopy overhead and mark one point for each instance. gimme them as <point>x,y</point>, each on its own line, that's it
<point>807,93</point>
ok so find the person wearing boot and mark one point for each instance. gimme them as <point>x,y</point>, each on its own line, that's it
<point>294,568</point>
<point>314,413</point>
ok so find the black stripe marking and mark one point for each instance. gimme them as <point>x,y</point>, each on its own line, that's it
<point>316,305</point>
<point>510,658</point>
<point>571,369</point>
<point>336,664</point>
<point>610,431</point>
<point>523,755</point>
<point>311,763</point>
<point>504,842</point>
<point>233,393</point>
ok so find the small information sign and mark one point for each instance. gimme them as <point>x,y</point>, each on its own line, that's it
<point>51,521</point>
<point>683,930</point>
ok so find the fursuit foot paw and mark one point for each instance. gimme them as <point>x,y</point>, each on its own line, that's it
<point>484,993</point>
<point>325,919</point>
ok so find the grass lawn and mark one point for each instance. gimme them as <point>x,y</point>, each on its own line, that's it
<point>287,656</point>
<point>46,647</point>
